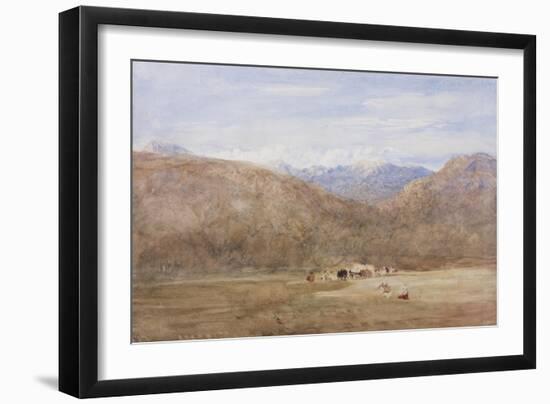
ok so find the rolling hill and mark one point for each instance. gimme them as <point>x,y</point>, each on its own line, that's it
<point>449,214</point>
<point>199,214</point>
<point>193,214</point>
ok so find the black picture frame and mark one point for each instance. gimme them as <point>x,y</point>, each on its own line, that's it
<point>78,201</point>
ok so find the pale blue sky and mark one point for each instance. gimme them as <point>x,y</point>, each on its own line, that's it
<point>308,117</point>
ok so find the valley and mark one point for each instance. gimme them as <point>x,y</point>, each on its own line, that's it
<point>223,249</point>
<point>284,304</point>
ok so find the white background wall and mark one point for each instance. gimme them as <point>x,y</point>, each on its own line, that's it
<point>28,199</point>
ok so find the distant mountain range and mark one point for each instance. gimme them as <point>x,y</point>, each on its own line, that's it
<point>197,214</point>
<point>371,181</point>
<point>166,149</point>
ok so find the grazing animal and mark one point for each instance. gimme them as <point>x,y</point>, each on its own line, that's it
<point>342,274</point>
<point>365,273</point>
<point>331,276</point>
<point>354,274</point>
<point>310,277</point>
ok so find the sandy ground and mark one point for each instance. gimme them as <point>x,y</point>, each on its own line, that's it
<point>285,304</point>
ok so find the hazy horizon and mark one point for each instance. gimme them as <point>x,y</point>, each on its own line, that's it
<point>308,117</point>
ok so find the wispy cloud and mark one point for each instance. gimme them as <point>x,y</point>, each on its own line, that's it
<point>440,107</point>
<point>293,90</point>
<point>308,117</point>
<point>300,158</point>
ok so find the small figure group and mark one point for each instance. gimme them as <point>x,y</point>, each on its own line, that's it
<point>386,290</point>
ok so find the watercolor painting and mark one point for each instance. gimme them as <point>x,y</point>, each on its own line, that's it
<point>274,201</point>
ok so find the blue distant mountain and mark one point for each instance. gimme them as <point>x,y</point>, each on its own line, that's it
<point>370,181</point>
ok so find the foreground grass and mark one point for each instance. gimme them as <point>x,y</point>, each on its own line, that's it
<point>287,305</point>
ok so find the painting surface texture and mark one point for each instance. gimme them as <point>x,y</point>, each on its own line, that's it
<point>282,201</point>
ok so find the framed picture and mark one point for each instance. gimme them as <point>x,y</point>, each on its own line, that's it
<point>251,201</point>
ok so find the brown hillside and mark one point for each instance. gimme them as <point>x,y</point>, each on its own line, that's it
<point>198,214</point>
<point>451,213</point>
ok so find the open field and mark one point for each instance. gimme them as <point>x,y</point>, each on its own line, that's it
<point>285,304</point>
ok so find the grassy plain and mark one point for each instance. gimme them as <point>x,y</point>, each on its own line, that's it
<point>285,304</point>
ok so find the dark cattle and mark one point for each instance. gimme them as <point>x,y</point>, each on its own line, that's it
<point>342,274</point>
<point>310,277</point>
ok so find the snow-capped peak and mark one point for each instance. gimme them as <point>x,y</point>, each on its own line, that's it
<point>170,149</point>
<point>368,165</point>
